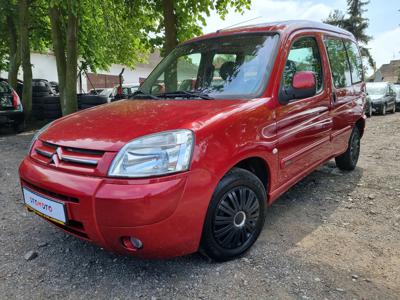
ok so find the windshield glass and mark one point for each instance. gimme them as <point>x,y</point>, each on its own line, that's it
<point>373,89</point>
<point>236,66</point>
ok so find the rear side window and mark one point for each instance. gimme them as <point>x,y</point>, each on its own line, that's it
<point>303,56</point>
<point>355,61</point>
<point>4,88</point>
<point>339,63</point>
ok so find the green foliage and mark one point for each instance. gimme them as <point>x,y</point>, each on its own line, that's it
<point>190,16</point>
<point>354,22</point>
<point>107,35</point>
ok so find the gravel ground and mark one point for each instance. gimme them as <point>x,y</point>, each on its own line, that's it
<point>334,235</point>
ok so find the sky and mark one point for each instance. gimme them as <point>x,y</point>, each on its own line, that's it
<point>383,15</point>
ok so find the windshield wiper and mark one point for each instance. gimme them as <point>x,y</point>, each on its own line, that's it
<point>139,94</point>
<point>186,94</point>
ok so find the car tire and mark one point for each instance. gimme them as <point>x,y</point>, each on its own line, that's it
<point>370,111</point>
<point>19,127</point>
<point>52,114</point>
<point>383,110</point>
<point>348,160</point>
<point>235,216</point>
<point>92,99</point>
<point>394,109</point>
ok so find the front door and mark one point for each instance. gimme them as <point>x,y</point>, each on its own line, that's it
<point>303,125</point>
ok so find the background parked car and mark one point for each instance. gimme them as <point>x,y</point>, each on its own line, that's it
<point>11,111</point>
<point>368,106</point>
<point>397,91</point>
<point>382,96</point>
<point>109,93</point>
<point>127,90</point>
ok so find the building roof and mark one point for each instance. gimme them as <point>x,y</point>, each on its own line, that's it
<point>388,72</point>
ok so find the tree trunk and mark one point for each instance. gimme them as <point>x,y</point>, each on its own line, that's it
<point>58,38</point>
<point>72,61</point>
<point>66,51</point>
<point>14,53</point>
<point>171,41</point>
<point>25,57</point>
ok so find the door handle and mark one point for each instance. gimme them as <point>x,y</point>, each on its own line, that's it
<point>334,97</point>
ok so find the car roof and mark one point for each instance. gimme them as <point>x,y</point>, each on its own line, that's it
<point>280,27</point>
<point>377,83</point>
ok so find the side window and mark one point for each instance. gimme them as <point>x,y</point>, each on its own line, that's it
<point>355,61</point>
<point>339,63</point>
<point>303,56</point>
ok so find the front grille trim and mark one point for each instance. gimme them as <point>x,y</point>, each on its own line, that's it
<point>70,155</point>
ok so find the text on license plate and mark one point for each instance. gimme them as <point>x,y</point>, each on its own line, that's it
<point>50,209</point>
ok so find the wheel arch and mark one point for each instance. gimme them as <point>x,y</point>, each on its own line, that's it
<point>259,167</point>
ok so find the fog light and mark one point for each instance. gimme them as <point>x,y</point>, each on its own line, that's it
<point>132,243</point>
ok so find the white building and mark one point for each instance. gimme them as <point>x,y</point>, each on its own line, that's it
<point>44,67</point>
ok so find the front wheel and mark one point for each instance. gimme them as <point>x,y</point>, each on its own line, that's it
<point>383,111</point>
<point>370,111</point>
<point>235,216</point>
<point>348,160</point>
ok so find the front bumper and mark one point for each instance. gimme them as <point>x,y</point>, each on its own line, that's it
<point>377,106</point>
<point>165,213</point>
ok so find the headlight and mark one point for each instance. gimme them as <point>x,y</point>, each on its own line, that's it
<point>37,134</point>
<point>156,154</point>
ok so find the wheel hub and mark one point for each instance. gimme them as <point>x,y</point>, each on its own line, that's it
<point>240,219</point>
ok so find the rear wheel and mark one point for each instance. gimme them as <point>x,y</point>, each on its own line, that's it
<point>235,216</point>
<point>348,160</point>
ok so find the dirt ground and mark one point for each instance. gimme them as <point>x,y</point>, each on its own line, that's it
<point>334,235</point>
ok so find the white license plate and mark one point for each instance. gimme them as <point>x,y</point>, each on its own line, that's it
<point>45,207</point>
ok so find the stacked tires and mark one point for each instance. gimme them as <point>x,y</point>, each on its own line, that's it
<point>88,101</point>
<point>44,103</point>
<point>47,106</point>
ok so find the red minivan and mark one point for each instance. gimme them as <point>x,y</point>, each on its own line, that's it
<point>222,127</point>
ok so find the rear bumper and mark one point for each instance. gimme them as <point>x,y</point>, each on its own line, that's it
<point>7,116</point>
<point>165,213</point>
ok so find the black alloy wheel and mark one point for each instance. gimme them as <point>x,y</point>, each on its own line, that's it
<point>348,160</point>
<point>235,216</point>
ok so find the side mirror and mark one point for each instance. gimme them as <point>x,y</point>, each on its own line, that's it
<point>303,86</point>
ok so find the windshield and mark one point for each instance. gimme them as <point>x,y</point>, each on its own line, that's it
<point>235,66</point>
<point>376,89</point>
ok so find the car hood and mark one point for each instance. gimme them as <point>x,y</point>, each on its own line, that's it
<point>109,127</point>
<point>376,97</point>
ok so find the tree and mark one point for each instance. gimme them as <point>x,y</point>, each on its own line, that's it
<point>9,39</point>
<point>24,17</point>
<point>355,23</point>
<point>180,20</point>
<point>98,33</point>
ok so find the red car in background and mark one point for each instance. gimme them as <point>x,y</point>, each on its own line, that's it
<point>243,114</point>
<point>11,110</point>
